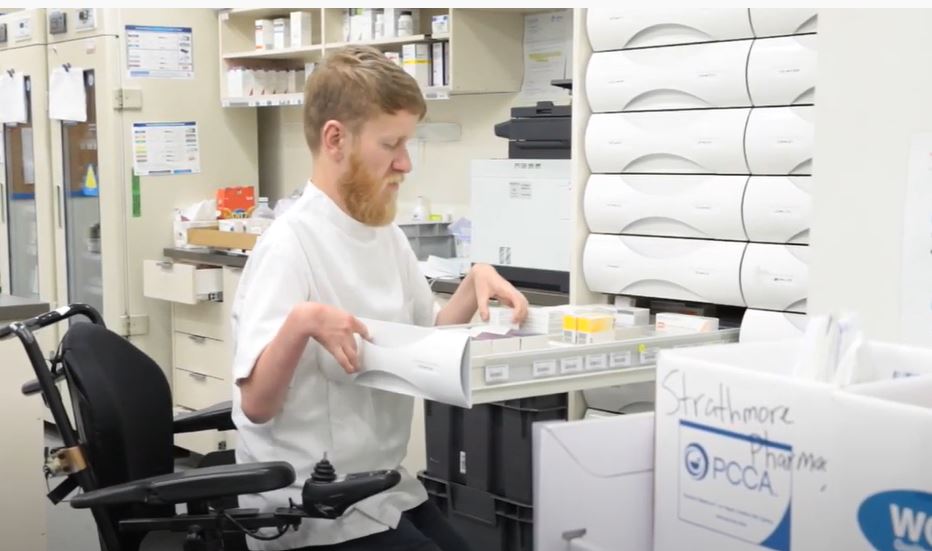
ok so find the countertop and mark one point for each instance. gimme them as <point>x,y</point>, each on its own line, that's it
<point>536,297</point>
<point>18,309</point>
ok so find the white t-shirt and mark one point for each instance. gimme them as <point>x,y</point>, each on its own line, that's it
<point>316,252</point>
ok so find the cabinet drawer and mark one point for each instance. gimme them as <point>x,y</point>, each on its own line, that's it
<point>202,355</point>
<point>197,391</point>
<point>177,282</point>
<point>205,319</point>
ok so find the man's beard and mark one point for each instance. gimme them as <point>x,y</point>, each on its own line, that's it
<point>367,198</point>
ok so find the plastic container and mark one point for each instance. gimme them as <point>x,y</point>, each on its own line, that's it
<point>420,210</point>
<point>488,447</point>
<point>263,210</point>
<point>487,522</point>
<point>405,25</point>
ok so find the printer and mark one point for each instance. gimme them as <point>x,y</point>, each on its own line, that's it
<point>540,131</point>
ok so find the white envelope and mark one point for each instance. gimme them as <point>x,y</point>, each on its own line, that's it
<point>423,362</point>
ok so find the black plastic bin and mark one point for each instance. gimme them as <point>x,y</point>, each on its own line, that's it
<point>486,521</point>
<point>488,447</point>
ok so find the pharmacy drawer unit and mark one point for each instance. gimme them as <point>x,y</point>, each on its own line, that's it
<point>676,77</point>
<point>690,142</point>
<point>202,354</point>
<point>184,283</point>
<point>194,390</point>
<point>765,141</point>
<point>775,277</point>
<point>778,209</point>
<point>623,27</point>
<point>783,21</point>
<point>205,319</point>
<point>677,205</point>
<point>680,269</point>
<point>767,325</point>
<point>782,71</point>
<point>779,140</point>
<point>763,72</point>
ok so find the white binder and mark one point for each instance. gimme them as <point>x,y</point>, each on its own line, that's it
<point>666,205</point>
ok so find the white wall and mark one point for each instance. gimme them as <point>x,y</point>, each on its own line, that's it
<point>442,169</point>
<point>874,91</point>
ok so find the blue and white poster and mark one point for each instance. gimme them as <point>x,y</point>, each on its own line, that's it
<point>159,52</point>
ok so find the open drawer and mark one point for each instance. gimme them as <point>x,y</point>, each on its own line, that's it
<point>177,282</point>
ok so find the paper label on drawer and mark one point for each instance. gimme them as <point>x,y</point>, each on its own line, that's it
<point>571,365</point>
<point>496,373</point>
<point>596,361</point>
<point>462,462</point>
<point>545,368</point>
<point>648,354</point>
<point>620,359</point>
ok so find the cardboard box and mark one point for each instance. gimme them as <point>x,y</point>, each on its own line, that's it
<point>631,316</point>
<point>265,34</point>
<point>212,237</point>
<point>438,67</point>
<point>281,28</point>
<point>749,456</point>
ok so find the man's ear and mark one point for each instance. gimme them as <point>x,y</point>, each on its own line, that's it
<point>333,137</point>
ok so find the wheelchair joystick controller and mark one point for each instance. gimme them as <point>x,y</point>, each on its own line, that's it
<point>327,496</point>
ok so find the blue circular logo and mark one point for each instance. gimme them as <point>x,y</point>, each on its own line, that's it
<point>697,462</point>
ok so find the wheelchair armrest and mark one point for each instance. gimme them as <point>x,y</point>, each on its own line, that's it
<point>215,417</point>
<point>192,485</point>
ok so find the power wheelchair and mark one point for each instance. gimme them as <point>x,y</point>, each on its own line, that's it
<point>120,451</point>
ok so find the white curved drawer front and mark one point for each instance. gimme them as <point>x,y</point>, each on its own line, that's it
<point>663,267</point>
<point>666,205</point>
<point>782,21</point>
<point>780,140</point>
<point>778,209</point>
<point>620,28</point>
<point>766,325</point>
<point>685,142</point>
<point>679,77</point>
<point>775,277</point>
<point>782,71</point>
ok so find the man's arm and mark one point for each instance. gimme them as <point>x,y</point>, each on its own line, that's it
<point>264,391</point>
<point>482,284</point>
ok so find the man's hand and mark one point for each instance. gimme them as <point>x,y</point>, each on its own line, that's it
<point>335,330</point>
<point>490,285</point>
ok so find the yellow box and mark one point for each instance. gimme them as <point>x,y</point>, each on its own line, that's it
<point>594,323</point>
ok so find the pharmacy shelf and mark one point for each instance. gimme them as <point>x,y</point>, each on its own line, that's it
<point>385,42</point>
<point>304,52</point>
<point>259,13</point>
<point>271,100</point>
<point>511,375</point>
<point>279,100</point>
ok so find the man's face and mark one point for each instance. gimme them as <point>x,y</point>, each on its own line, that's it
<point>376,165</point>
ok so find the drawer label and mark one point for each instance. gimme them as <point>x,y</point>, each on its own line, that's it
<point>596,361</point>
<point>496,373</point>
<point>545,368</point>
<point>648,353</point>
<point>571,365</point>
<point>620,359</point>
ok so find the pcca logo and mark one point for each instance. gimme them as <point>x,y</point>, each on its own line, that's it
<point>697,461</point>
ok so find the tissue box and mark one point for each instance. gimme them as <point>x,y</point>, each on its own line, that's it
<point>235,202</point>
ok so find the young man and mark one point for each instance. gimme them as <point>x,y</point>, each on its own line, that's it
<point>332,258</point>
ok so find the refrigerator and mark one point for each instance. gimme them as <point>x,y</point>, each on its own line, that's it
<point>155,138</point>
<point>27,262</point>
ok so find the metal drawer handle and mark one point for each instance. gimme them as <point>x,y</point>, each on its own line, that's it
<point>198,339</point>
<point>198,376</point>
<point>165,264</point>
